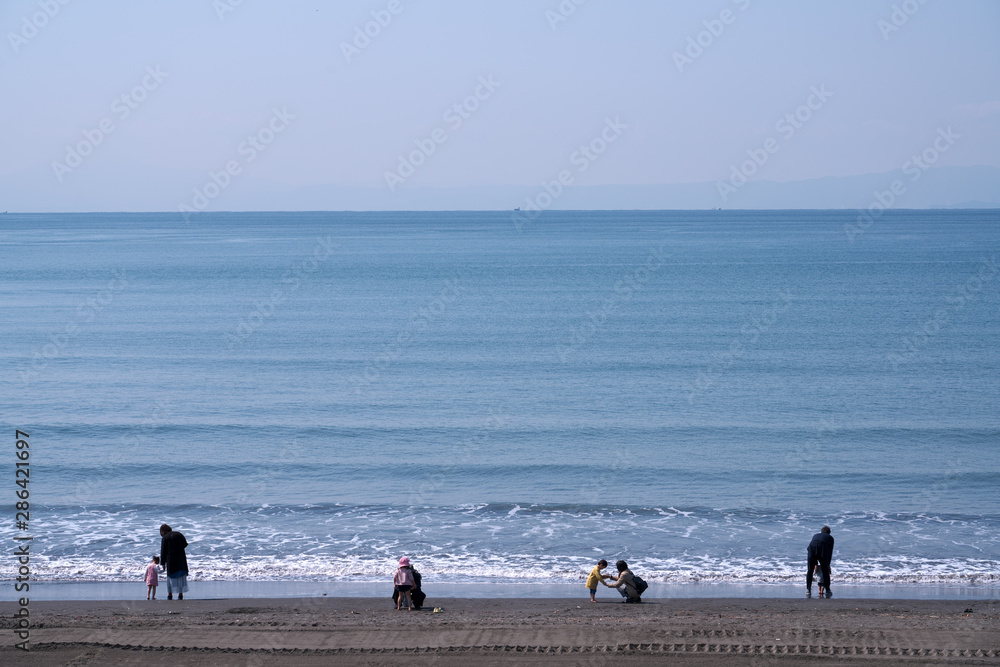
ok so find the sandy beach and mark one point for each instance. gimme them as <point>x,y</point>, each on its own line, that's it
<point>369,631</point>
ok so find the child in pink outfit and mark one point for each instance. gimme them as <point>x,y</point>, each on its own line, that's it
<point>152,577</point>
<point>403,582</point>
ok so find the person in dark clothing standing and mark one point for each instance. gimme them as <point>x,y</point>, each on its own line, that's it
<point>174,561</point>
<point>820,551</point>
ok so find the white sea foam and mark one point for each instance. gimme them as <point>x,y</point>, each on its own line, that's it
<point>495,543</point>
<point>512,568</point>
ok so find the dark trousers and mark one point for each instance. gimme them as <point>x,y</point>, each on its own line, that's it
<point>824,568</point>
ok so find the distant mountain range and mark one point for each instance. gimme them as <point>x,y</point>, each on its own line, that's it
<point>141,190</point>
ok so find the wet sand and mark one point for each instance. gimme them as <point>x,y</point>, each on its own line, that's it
<point>369,631</point>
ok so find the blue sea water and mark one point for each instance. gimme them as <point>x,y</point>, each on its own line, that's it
<point>308,396</point>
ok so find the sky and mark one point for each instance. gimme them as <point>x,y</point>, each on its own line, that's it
<point>296,94</point>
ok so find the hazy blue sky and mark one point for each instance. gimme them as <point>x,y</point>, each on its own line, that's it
<point>226,71</point>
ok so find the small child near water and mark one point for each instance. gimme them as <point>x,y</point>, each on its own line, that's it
<point>597,577</point>
<point>818,571</point>
<point>404,582</point>
<point>152,577</point>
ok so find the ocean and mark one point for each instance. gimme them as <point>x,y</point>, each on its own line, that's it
<point>506,399</point>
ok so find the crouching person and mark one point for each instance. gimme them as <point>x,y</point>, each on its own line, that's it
<point>629,585</point>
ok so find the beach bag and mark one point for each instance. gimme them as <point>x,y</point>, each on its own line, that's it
<point>640,584</point>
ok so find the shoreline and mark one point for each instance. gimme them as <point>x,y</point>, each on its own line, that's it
<point>116,590</point>
<point>311,631</point>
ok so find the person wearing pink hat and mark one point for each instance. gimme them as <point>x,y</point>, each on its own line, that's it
<point>403,582</point>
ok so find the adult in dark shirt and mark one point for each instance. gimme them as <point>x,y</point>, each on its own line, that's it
<point>174,561</point>
<point>820,551</point>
